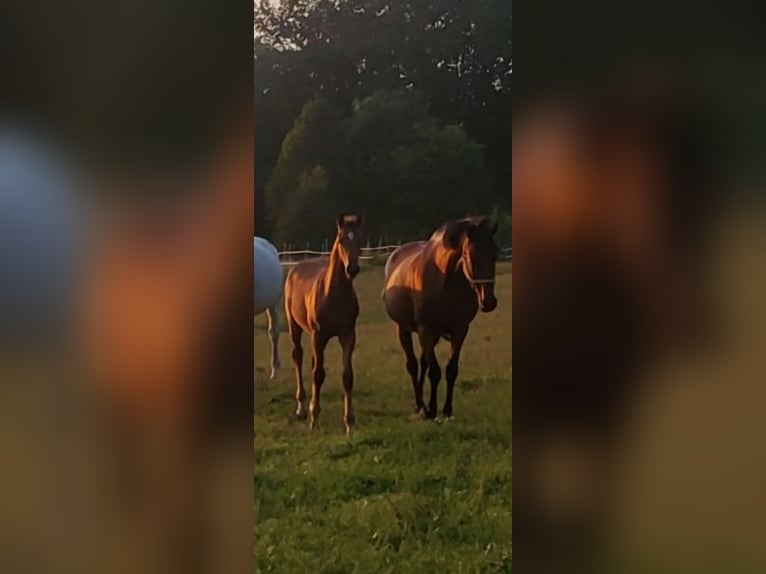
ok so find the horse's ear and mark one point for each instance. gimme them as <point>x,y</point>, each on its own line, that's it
<point>453,231</point>
<point>494,229</point>
<point>359,219</point>
<point>341,220</point>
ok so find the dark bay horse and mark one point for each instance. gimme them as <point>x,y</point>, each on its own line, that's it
<point>435,288</point>
<point>320,299</point>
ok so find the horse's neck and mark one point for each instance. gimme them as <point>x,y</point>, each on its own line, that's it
<point>446,262</point>
<point>335,278</point>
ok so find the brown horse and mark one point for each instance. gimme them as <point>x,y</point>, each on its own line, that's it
<point>435,288</point>
<point>320,299</point>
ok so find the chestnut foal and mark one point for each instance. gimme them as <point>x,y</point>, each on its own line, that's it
<point>320,299</point>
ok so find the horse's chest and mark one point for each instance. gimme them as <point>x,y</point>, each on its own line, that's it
<point>335,315</point>
<point>444,312</point>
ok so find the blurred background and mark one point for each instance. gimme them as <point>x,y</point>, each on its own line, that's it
<point>638,180</point>
<point>126,190</point>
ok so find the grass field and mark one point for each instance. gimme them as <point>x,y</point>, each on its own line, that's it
<point>404,496</point>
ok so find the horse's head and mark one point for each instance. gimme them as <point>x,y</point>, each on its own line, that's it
<point>474,239</point>
<point>349,242</point>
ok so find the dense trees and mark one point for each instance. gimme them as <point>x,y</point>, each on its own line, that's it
<point>401,110</point>
<point>299,195</point>
<point>389,158</point>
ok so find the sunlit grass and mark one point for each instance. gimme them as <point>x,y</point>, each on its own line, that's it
<point>404,495</point>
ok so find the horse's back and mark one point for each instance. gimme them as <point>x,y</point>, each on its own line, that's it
<point>301,278</point>
<point>264,245</point>
<point>307,271</point>
<point>267,274</point>
<point>401,255</point>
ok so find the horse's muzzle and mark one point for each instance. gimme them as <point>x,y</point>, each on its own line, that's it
<point>488,305</point>
<point>487,299</point>
<point>352,270</point>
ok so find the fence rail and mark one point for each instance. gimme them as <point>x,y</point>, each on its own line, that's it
<point>288,258</point>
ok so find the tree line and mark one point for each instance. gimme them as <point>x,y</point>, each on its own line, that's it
<point>401,111</point>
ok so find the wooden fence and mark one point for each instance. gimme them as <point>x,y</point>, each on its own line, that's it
<point>368,254</point>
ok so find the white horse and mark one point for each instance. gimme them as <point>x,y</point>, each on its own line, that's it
<point>42,237</point>
<point>269,281</point>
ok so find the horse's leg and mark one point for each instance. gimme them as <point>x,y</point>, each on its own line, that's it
<point>452,368</point>
<point>300,395</point>
<point>348,342</point>
<point>271,313</point>
<point>318,344</point>
<point>422,378</point>
<point>405,340</point>
<point>428,345</point>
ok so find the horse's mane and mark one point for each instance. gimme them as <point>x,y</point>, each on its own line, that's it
<point>438,235</point>
<point>473,221</point>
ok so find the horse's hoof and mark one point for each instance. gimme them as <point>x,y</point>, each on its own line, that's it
<point>426,414</point>
<point>314,425</point>
<point>301,415</point>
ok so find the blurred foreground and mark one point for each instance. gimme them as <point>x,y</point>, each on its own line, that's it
<point>127,389</point>
<point>638,327</point>
<point>126,193</point>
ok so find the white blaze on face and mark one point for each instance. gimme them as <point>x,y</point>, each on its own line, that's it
<point>350,235</point>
